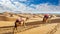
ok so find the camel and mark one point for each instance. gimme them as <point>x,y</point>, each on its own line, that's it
<point>47,20</point>
<point>21,23</point>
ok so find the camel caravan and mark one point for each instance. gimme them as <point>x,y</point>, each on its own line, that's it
<point>21,20</point>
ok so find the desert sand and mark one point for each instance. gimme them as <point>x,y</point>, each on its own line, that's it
<point>34,24</point>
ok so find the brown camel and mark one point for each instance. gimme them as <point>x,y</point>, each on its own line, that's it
<point>47,20</point>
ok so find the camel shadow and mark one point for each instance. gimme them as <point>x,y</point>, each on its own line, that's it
<point>41,22</point>
<point>54,21</point>
<point>36,23</point>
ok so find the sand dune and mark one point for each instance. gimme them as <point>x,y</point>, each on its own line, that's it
<point>34,23</point>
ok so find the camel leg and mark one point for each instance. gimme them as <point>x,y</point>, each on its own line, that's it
<point>49,21</point>
<point>15,28</point>
<point>44,20</point>
<point>24,24</point>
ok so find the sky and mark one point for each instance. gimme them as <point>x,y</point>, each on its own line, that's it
<point>30,6</point>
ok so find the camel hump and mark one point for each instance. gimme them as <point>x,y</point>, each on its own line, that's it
<point>19,19</point>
